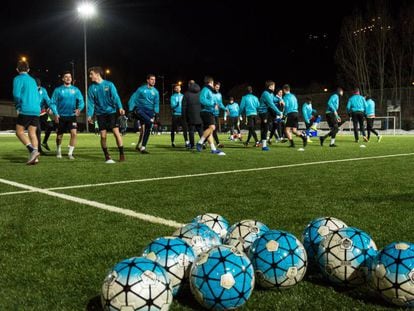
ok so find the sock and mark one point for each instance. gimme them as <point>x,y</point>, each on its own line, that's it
<point>291,142</point>
<point>308,133</point>
<point>264,143</point>
<point>201,141</point>
<point>213,148</point>
<point>142,148</point>
<point>121,149</point>
<point>187,142</point>
<point>332,141</point>
<point>29,147</point>
<point>58,149</point>
<point>105,151</point>
<point>71,148</point>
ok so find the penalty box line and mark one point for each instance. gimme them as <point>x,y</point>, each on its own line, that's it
<point>217,173</point>
<point>106,207</point>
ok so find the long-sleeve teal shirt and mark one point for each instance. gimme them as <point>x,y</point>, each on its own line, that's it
<point>65,100</point>
<point>291,103</point>
<point>370,109</point>
<point>218,100</point>
<point>333,104</point>
<point>176,104</point>
<point>145,97</point>
<point>249,105</point>
<point>44,98</point>
<point>234,110</point>
<point>207,99</point>
<point>267,100</point>
<point>356,103</point>
<point>307,111</point>
<point>26,95</point>
<point>103,98</point>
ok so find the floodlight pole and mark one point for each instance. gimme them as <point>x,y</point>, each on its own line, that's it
<point>85,54</point>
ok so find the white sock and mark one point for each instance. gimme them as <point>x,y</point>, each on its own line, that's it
<point>264,143</point>
<point>213,148</point>
<point>71,148</point>
<point>187,142</point>
<point>58,149</point>
<point>142,148</point>
<point>201,141</point>
<point>332,141</point>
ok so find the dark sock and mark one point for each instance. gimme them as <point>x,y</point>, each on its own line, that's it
<point>29,147</point>
<point>105,151</point>
<point>121,149</point>
<point>291,142</point>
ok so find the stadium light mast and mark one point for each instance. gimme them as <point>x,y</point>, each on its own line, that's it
<point>86,11</point>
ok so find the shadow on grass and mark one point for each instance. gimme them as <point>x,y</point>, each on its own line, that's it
<point>362,293</point>
<point>94,304</point>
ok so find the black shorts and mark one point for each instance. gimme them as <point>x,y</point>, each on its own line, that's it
<point>26,121</point>
<point>207,118</point>
<point>332,120</point>
<point>66,124</point>
<point>292,120</point>
<point>107,121</point>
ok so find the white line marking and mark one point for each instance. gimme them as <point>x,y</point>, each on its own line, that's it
<point>215,173</point>
<point>110,208</point>
<point>230,172</point>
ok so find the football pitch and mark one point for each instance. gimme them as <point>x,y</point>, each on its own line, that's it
<point>64,224</point>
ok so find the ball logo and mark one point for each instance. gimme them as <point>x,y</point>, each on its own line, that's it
<point>151,256</point>
<point>272,246</point>
<point>292,272</point>
<point>236,252</point>
<point>227,281</point>
<point>323,230</point>
<point>254,229</point>
<point>149,278</point>
<point>346,244</point>
<point>402,246</point>
<point>110,278</point>
<point>202,258</point>
<point>411,276</point>
<point>183,260</point>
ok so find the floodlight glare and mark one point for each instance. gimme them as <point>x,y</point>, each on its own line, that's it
<point>86,10</point>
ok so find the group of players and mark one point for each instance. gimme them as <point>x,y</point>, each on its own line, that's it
<point>197,110</point>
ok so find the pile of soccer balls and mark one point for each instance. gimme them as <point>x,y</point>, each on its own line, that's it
<point>221,264</point>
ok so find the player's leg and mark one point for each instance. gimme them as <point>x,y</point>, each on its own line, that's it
<point>72,143</point>
<point>173,129</point>
<point>355,124</point>
<point>59,136</point>
<point>264,127</point>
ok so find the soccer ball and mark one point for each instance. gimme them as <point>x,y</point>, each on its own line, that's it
<point>216,222</point>
<point>242,234</point>
<point>222,278</point>
<point>279,259</point>
<point>136,284</point>
<point>199,236</point>
<point>175,256</point>
<point>316,231</point>
<point>393,273</point>
<point>345,256</point>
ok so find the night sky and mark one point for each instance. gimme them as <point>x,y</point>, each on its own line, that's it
<point>233,41</point>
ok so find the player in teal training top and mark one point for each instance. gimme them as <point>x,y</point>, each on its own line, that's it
<point>332,117</point>
<point>104,102</point>
<point>66,105</point>
<point>370,116</point>
<point>27,102</point>
<point>356,109</point>
<point>177,116</point>
<point>145,104</point>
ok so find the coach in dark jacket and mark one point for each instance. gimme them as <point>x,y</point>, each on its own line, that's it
<point>191,108</point>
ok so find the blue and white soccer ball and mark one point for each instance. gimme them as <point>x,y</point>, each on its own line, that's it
<point>175,256</point>
<point>136,284</point>
<point>199,236</point>
<point>242,234</point>
<point>216,222</point>
<point>316,231</point>
<point>222,278</point>
<point>345,256</point>
<point>393,274</point>
<point>279,259</point>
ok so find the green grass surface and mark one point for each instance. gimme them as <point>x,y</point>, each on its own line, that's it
<point>54,254</point>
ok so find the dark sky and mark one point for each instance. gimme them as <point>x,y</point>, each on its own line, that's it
<point>233,41</point>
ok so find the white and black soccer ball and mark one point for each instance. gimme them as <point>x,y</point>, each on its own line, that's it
<point>199,236</point>
<point>345,256</point>
<point>136,284</point>
<point>216,222</point>
<point>393,274</point>
<point>175,256</point>
<point>242,234</point>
